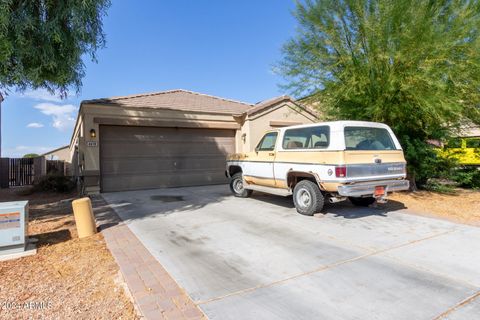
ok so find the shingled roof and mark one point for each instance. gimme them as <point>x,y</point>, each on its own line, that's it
<point>183,100</point>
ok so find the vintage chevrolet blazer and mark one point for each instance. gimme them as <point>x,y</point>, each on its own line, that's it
<point>329,161</point>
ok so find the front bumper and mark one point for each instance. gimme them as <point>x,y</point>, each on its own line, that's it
<point>368,188</point>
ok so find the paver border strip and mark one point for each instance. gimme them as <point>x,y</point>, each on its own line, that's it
<point>154,291</point>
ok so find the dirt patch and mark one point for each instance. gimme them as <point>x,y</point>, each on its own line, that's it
<point>68,278</point>
<point>463,206</point>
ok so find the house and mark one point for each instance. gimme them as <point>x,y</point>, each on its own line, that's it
<point>62,153</point>
<point>471,131</point>
<point>169,139</point>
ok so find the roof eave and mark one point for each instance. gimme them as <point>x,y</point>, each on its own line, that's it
<point>275,101</point>
<point>55,150</point>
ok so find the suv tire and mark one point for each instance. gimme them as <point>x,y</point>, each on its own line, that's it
<point>236,186</point>
<point>361,202</point>
<point>308,198</point>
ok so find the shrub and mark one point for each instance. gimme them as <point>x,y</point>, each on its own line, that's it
<point>468,178</point>
<point>437,186</point>
<point>424,163</point>
<point>25,191</point>
<point>56,183</point>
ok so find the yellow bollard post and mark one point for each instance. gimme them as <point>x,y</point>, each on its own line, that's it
<point>84,219</point>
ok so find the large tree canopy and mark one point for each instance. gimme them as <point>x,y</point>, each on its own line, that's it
<point>42,42</point>
<point>413,64</point>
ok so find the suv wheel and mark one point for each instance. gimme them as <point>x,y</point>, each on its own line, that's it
<point>308,198</point>
<point>237,188</point>
<point>362,202</point>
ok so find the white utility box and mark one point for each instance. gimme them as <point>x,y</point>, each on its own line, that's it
<point>13,226</point>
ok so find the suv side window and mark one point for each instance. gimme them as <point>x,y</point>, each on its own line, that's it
<point>307,138</point>
<point>268,142</point>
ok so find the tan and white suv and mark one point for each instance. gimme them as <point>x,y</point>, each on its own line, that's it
<point>361,161</point>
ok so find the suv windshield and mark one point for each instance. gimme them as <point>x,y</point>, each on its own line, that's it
<point>268,142</point>
<point>368,138</point>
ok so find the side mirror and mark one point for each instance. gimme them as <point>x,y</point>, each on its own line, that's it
<point>256,149</point>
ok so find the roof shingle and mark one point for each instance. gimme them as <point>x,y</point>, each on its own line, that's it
<point>182,100</point>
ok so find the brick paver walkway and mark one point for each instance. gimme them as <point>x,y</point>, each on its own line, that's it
<point>156,294</point>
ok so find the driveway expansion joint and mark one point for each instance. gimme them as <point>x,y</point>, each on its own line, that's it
<point>462,303</point>
<point>322,268</point>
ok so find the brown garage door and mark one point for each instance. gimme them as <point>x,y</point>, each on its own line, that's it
<point>148,157</point>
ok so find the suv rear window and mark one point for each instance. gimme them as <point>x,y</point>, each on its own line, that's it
<point>307,138</point>
<point>368,138</point>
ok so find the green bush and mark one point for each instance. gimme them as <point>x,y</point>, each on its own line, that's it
<point>436,186</point>
<point>55,183</point>
<point>467,178</point>
<point>425,164</point>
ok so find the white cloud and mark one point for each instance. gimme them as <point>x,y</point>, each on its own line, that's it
<point>20,151</point>
<point>63,116</point>
<point>40,94</point>
<point>35,125</point>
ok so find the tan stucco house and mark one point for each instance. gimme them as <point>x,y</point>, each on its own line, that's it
<point>170,138</point>
<point>62,153</point>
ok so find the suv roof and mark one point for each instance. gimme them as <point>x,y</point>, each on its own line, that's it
<point>340,124</point>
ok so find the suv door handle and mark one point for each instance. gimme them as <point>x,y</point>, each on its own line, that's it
<point>271,153</point>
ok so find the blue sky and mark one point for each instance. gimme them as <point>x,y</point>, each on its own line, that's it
<point>218,47</point>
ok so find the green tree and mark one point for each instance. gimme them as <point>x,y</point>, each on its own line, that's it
<point>31,155</point>
<point>42,42</point>
<point>413,64</point>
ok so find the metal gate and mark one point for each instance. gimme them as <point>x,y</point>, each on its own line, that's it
<point>20,172</point>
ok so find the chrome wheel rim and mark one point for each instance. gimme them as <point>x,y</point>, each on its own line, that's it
<point>304,198</point>
<point>237,185</point>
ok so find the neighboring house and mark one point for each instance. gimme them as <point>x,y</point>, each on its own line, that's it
<point>171,138</point>
<point>472,131</point>
<point>62,153</point>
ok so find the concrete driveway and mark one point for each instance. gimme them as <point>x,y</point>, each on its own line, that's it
<point>257,258</point>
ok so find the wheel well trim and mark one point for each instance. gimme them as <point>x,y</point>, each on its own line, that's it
<point>308,173</point>
<point>233,166</point>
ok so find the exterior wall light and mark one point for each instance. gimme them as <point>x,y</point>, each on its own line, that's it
<point>93,134</point>
<point>244,137</point>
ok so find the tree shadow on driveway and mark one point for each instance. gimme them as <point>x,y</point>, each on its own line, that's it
<point>138,205</point>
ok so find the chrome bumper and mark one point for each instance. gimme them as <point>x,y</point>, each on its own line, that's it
<point>368,188</point>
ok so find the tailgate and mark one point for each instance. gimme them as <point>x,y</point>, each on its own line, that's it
<point>375,163</point>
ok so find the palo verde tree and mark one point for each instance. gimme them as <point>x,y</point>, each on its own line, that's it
<point>413,64</point>
<point>42,42</point>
